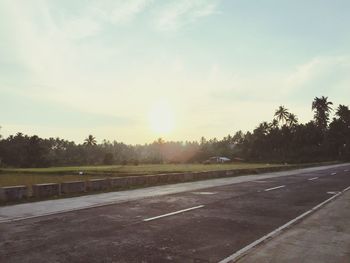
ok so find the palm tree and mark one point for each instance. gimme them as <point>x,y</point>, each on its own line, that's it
<point>292,120</point>
<point>274,124</point>
<point>90,141</point>
<point>263,128</point>
<point>343,113</point>
<point>322,108</point>
<point>281,114</point>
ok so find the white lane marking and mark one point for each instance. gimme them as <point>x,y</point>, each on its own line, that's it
<point>346,170</point>
<point>273,188</point>
<point>332,193</point>
<point>173,213</point>
<point>275,232</point>
<point>333,173</point>
<point>314,178</point>
<point>204,193</point>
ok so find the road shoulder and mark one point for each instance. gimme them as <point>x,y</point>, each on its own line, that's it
<point>322,237</point>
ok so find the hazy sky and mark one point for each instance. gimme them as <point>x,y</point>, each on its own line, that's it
<point>124,70</point>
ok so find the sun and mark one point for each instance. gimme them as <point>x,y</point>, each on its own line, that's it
<point>161,118</point>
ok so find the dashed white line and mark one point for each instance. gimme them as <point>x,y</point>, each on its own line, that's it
<point>273,188</point>
<point>346,170</point>
<point>204,193</point>
<point>172,213</point>
<point>333,173</point>
<point>314,178</point>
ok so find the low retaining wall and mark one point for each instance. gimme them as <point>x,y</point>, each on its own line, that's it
<point>138,180</point>
<point>119,182</point>
<point>45,190</point>
<point>73,187</point>
<point>97,184</point>
<point>13,193</point>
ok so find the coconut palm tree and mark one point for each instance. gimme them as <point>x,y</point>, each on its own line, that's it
<point>263,128</point>
<point>274,124</point>
<point>90,141</point>
<point>343,113</point>
<point>322,108</point>
<point>292,120</point>
<point>281,114</point>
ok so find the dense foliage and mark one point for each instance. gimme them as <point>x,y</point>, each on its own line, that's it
<point>281,140</point>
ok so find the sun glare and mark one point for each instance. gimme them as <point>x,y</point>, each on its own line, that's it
<point>161,118</point>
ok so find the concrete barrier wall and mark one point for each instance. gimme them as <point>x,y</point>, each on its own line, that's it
<point>73,187</point>
<point>188,176</point>
<point>170,178</point>
<point>199,176</point>
<point>13,193</point>
<point>229,173</point>
<point>138,180</point>
<point>46,190</point>
<point>153,179</point>
<point>119,182</point>
<point>97,184</point>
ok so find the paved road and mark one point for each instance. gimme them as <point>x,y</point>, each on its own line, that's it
<point>202,225</point>
<point>15,212</point>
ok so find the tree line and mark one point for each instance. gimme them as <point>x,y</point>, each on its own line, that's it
<point>281,140</point>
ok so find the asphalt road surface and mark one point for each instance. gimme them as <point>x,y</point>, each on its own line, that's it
<point>207,225</point>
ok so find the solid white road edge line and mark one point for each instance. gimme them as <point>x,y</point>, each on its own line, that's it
<point>172,213</point>
<point>273,188</point>
<point>332,193</point>
<point>275,232</point>
<point>314,178</point>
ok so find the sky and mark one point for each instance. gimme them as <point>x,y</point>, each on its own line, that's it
<point>137,70</point>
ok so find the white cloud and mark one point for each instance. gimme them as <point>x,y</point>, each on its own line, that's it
<point>319,67</point>
<point>323,75</point>
<point>119,11</point>
<point>78,28</point>
<point>176,14</point>
<point>91,19</point>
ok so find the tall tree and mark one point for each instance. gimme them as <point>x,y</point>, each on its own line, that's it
<point>322,108</point>
<point>282,114</point>
<point>90,141</point>
<point>343,113</point>
<point>274,124</point>
<point>292,120</point>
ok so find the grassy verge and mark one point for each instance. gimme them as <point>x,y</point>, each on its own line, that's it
<point>136,169</point>
<point>31,176</point>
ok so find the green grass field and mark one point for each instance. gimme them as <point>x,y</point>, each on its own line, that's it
<point>29,176</point>
<point>137,169</point>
